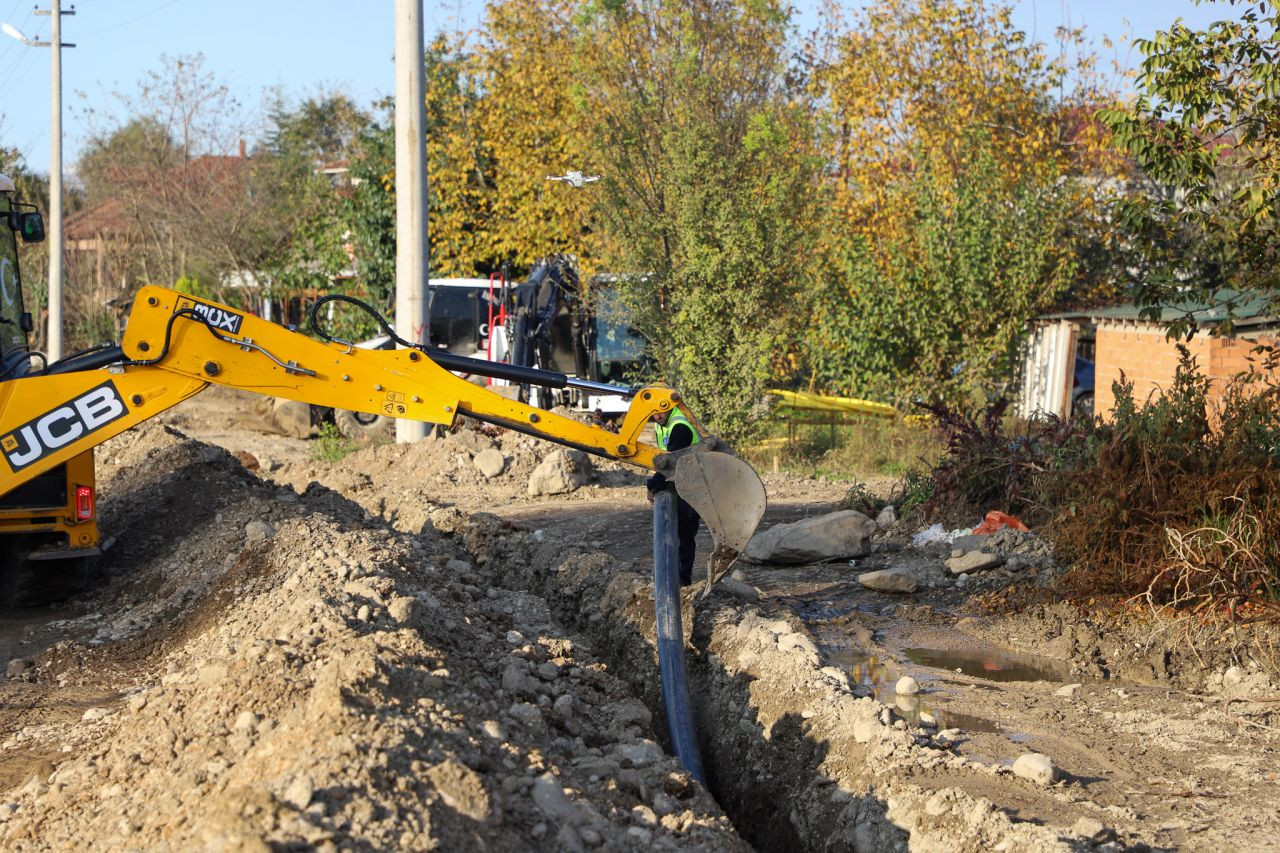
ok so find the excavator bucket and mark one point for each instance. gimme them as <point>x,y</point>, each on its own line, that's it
<point>726,492</point>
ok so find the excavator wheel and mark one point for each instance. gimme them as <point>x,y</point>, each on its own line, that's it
<point>365,429</point>
<point>30,583</point>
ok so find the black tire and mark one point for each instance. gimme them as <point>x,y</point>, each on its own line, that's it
<point>1082,407</point>
<point>32,583</point>
<point>364,429</point>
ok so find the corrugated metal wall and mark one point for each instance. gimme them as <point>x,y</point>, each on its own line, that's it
<point>1048,364</point>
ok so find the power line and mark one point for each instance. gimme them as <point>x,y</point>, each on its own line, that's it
<point>9,44</point>
<point>131,20</point>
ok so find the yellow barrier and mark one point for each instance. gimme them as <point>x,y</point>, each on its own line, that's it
<point>822,403</point>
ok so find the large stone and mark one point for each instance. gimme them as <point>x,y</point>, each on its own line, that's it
<point>836,536</point>
<point>1036,767</point>
<point>890,580</point>
<point>286,417</point>
<point>490,462</point>
<point>561,472</point>
<point>461,788</point>
<point>974,561</point>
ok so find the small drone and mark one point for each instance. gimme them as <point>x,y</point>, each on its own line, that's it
<point>577,180</point>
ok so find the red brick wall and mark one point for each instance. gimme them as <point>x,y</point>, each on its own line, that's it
<point>1149,360</point>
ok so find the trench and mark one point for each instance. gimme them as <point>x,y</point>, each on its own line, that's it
<point>762,764</point>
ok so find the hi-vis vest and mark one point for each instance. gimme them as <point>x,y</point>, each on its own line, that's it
<point>663,431</point>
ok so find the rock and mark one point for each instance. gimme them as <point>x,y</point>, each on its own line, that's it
<point>639,836</point>
<point>490,462</point>
<point>286,417</point>
<point>1066,690</point>
<point>247,459</point>
<point>299,792</point>
<point>795,641</point>
<point>461,788</point>
<point>403,609</point>
<point>738,589</point>
<point>640,754</point>
<point>974,561</point>
<point>561,472</point>
<point>887,516</point>
<point>94,714</point>
<point>516,680</point>
<point>1091,829</point>
<point>906,686</point>
<point>1233,676</point>
<point>246,722</point>
<point>1036,767</point>
<point>258,531</point>
<point>16,668</point>
<point>529,715</point>
<point>897,579</point>
<point>549,797</point>
<point>515,638</point>
<point>835,536</point>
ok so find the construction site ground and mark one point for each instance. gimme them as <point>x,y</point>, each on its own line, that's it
<point>394,651</point>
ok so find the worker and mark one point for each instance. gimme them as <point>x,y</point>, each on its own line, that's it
<point>674,432</point>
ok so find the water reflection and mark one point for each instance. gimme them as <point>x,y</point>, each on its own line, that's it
<point>872,672</point>
<point>991,665</point>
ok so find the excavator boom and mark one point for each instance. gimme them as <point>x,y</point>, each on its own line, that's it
<point>175,345</point>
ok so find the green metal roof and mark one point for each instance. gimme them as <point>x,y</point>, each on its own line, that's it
<point>1249,310</point>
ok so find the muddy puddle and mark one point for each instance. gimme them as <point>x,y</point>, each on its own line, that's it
<point>878,676</point>
<point>991,665</point>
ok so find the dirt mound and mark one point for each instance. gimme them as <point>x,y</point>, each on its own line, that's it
<point>405,482</point>
<point>297,674</point>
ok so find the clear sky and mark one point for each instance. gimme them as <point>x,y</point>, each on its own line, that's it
<point>302,46</point>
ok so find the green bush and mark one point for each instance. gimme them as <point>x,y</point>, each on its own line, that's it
<point>331,445</point>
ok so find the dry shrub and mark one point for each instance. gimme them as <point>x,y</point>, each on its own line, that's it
<point>1174,500</point>
<point>994,462</point>
<point>1230,561</point>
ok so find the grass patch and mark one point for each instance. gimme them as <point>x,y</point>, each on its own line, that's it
<point>331,445</point>
<point>868,447</point>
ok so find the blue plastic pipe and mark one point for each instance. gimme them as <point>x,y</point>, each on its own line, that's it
<point>666,600</point>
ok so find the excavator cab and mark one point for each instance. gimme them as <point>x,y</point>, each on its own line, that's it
<point>51,517</point>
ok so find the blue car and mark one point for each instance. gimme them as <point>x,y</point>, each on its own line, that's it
<point>1082,389</point>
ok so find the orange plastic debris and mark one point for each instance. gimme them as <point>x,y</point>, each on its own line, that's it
<point>996,519</point>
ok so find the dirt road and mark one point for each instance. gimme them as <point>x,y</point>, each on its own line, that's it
<point>396,650</point>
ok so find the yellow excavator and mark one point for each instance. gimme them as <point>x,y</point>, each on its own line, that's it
<point>174,346</point>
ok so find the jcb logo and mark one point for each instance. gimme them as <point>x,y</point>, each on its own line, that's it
<point>218,318</point>
<point>53,430</point>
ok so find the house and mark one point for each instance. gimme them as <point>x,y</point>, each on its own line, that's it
<point>1148,359</point>
<point>1072,359</point>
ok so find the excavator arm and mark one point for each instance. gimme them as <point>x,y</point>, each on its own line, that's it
<point>175,345</point>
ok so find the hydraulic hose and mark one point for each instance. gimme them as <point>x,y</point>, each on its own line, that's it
<point>671,664</point>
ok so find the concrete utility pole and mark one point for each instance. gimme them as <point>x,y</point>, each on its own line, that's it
<point>412,268</point>
<point>53,348</point>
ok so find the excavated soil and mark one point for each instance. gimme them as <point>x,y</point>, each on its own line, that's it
<point>397,652</point>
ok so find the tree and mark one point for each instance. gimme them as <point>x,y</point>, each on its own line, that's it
<point>31,188</point>
<point>940,304</point>
<point>311,248</point>
<point>708,192</point>
<point>189,209</point>
<point>946,129</point>
<point>531,126</point>
<point>1206,132</point>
